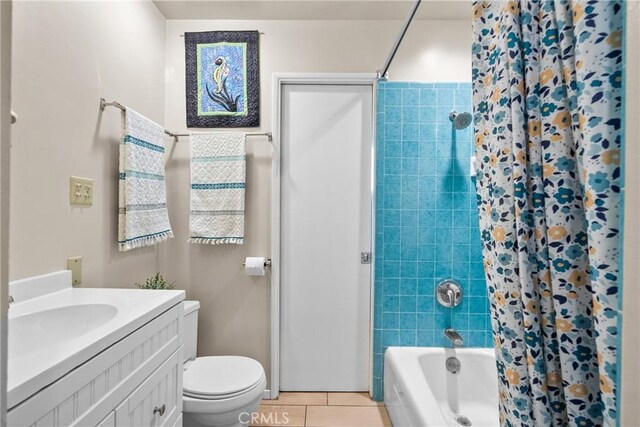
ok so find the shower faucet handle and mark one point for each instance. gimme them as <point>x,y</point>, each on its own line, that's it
<point>449,293</point>
<point>452,297</point>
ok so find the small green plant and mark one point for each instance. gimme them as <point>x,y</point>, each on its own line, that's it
<point>156,282</point>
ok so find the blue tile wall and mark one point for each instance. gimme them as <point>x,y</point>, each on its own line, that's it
<point>426,221</point>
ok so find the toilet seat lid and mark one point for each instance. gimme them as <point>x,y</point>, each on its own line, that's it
<point>220,376</point>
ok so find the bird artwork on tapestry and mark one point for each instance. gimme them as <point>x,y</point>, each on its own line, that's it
<point>220,94</point>
<point>220,73</point>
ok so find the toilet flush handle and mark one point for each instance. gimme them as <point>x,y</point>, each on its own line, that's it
<point>160,410</point>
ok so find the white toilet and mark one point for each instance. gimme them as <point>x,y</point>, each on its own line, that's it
<point>217,390</point>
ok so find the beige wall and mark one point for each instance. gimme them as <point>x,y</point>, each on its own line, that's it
<point>234,318</point>
<point>66,55</point>
<point>630,396</point>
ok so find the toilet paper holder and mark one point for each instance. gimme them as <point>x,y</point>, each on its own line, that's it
<point>267,262</point>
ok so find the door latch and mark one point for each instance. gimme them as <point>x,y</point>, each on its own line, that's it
<point>365,257</point>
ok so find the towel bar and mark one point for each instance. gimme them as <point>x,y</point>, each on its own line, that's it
<point>175,136</point>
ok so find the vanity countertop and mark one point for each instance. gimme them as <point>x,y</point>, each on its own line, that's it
<point>55,333</point>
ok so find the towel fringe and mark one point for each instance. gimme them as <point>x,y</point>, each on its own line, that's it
<point>145,241</point>
<point>216,241</point>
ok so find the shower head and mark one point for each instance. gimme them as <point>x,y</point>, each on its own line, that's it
<point>460,120</point>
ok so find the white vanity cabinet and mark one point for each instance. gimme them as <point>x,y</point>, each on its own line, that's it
<point>135,382</point>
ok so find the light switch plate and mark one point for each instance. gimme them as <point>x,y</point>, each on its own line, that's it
<point>80,191</point>
<point>75,265</point>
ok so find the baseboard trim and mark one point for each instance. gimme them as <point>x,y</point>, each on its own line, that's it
<point>266,395</point>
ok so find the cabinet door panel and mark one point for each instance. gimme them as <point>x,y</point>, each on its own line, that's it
<point>158,400</point>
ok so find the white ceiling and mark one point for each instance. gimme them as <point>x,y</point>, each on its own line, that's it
<point>456,10</point>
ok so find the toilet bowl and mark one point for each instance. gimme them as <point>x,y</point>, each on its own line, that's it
<point>217,390</point>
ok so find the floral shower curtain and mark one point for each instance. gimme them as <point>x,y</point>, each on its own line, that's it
<point>547,98</point>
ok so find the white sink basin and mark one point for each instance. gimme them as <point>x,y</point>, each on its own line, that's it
<point>41,329</point>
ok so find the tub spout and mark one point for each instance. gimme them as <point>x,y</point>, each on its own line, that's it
<point>454,337</point>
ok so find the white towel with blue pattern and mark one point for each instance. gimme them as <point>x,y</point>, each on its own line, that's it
<point>218,168</point>
<point>143,219</point>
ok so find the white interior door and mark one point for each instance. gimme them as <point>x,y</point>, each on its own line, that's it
<point>326,146</point>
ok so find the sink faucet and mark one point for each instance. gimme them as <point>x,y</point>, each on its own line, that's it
<point>454,337</point>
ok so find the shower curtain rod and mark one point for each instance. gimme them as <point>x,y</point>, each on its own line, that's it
<point>384,72</point>
<point>175,136</point>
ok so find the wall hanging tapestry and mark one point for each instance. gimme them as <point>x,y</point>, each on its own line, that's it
<point>223,79</point>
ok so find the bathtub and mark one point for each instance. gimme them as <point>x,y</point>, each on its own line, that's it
<point>420,391</point>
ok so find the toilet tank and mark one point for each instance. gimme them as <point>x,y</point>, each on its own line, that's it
<point>190,329</point>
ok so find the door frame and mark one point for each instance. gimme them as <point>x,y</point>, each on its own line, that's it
<point>279,80</point>
<point>5,153</point>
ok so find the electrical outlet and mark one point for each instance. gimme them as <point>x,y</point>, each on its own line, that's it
<point>80,191</point>
<point>75,265</point>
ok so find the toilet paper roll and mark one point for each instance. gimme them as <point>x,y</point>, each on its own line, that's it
<point>254,266</point>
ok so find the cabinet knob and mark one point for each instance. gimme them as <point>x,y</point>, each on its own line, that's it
<point>160,410</point>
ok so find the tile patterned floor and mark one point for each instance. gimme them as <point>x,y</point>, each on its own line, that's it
<point>322,410</point>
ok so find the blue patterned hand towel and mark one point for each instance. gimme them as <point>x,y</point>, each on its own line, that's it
<point>143,219</point>
<point>217,188</point>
